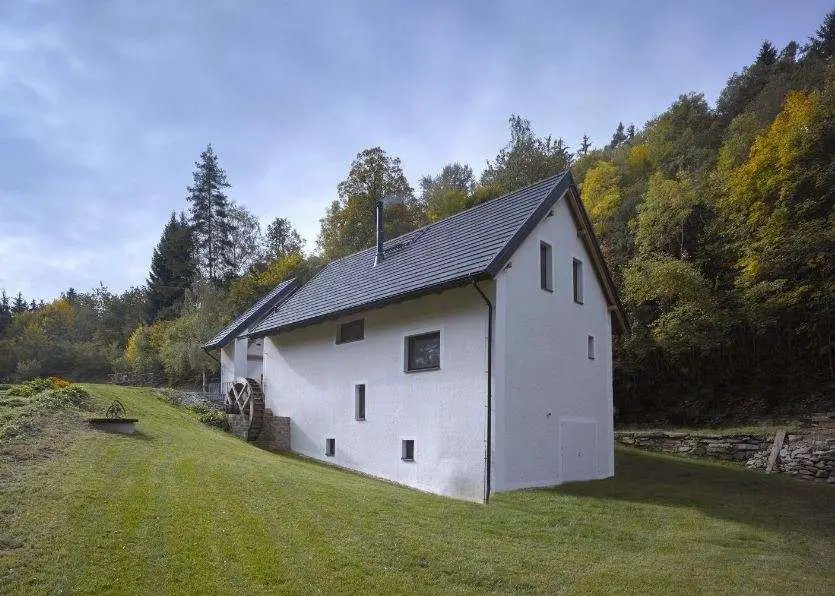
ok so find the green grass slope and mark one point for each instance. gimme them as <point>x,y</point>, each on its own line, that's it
<point>181,507</point>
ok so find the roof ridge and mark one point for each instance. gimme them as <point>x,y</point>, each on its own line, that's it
<point>558,175</point>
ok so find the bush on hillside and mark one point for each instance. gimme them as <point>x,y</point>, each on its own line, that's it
<point>210,416</point>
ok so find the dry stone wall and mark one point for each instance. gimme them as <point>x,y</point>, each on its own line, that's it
<point>807,456</point>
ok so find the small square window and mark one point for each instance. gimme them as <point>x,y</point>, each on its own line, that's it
<point>423,352</point>
<point>351,331</point>
<point>359,402</point>
<point>592,348</point>
<point>330,447</point>
<point>577,268</point>
<point>546,275</point>
<point>407,450</point>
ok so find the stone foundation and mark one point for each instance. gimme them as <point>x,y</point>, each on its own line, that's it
<point>808,456</point>
<point>275,432</point>
<point>238,425</point>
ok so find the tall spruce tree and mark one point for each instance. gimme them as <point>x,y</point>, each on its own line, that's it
<point>5,312</point>
<point>822,44</point>
<point>172,269</point>
<point>210,220</point>
<point>618,137</point>
<point>19,305</point>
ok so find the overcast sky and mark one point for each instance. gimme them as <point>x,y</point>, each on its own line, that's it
<point>105,105</point>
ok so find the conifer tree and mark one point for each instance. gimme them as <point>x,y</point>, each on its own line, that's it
<point>822,44</point>
<point>618,137</point>
<point>172,269</point>
<point>5,312</point>
<point>585,145</point>
<point>209,213</point>
<point>19,305</point>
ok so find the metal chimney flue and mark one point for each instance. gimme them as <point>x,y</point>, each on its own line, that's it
<point>380,232</point>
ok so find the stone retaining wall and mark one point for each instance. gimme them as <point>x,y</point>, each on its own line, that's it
<point>808,456</point>
<point>238,425</point>
<point>275,432</point>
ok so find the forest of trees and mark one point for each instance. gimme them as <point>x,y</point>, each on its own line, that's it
<point>717,223</point>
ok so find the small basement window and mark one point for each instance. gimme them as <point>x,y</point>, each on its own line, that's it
<point>359,402</point>
<point>351,331</point>
<point>330,447</point>
<point>577,268</point>
<point>423,352</point>
<point>407,450</point>
<point>546,275</point>
<point>592,348</point>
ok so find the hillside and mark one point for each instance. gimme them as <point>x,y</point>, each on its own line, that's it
<point>184,507</point>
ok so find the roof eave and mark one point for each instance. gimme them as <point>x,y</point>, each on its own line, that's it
<point>236,332</point>
<point>387,301</point>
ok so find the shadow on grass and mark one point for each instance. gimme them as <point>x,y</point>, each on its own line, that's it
<point>138,435</point>
<point>768,501</point>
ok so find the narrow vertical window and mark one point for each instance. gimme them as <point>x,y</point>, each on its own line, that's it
<point>577,268</point>
<point>591,347</point>
<point>330,447</point>
<point>407,450</point>
<point>546,275</point>
<point>359,401</point>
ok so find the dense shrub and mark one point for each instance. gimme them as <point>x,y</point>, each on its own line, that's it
<point>73,396</point>
<point>210,416</point>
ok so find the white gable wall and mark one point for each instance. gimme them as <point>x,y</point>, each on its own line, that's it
<point>311,379</point>
<point>543,376</point>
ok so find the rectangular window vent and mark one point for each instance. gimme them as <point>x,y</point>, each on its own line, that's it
<point>407,450</point>
<point>577,268</point>
<point>351,331</point>
<point>330,447</point>
<point>359,402</point>
<point>546,269</point>
<point>592,348</point>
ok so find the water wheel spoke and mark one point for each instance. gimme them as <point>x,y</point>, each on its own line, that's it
<point>246,395</point>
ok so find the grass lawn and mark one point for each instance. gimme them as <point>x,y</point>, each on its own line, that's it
<point>182,507</point>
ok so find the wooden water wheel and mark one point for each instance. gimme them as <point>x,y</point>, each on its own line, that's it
<point>246,398</point>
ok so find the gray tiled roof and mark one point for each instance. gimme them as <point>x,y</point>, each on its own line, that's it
<point>469,245</point>
<point>259,309</point>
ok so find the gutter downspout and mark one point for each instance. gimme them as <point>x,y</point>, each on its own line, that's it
<point>489,449</point>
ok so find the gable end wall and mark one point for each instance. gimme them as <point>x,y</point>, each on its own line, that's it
<point>542,372</point>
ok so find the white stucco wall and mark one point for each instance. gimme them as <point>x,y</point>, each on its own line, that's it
<point>227,364</point>
<point>239,358</point>
<point>542,371</point>
<point>255,359</point>
<point>311,379</point>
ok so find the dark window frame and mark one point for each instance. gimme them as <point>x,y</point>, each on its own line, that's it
<point>591,346</point>
<point>359,402</point>
<point>408,348</point>
<point>330,447</point>
<point>546,266</point>
<point>407,450</point>
<point>577,279</point>
<point>340,335</point>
